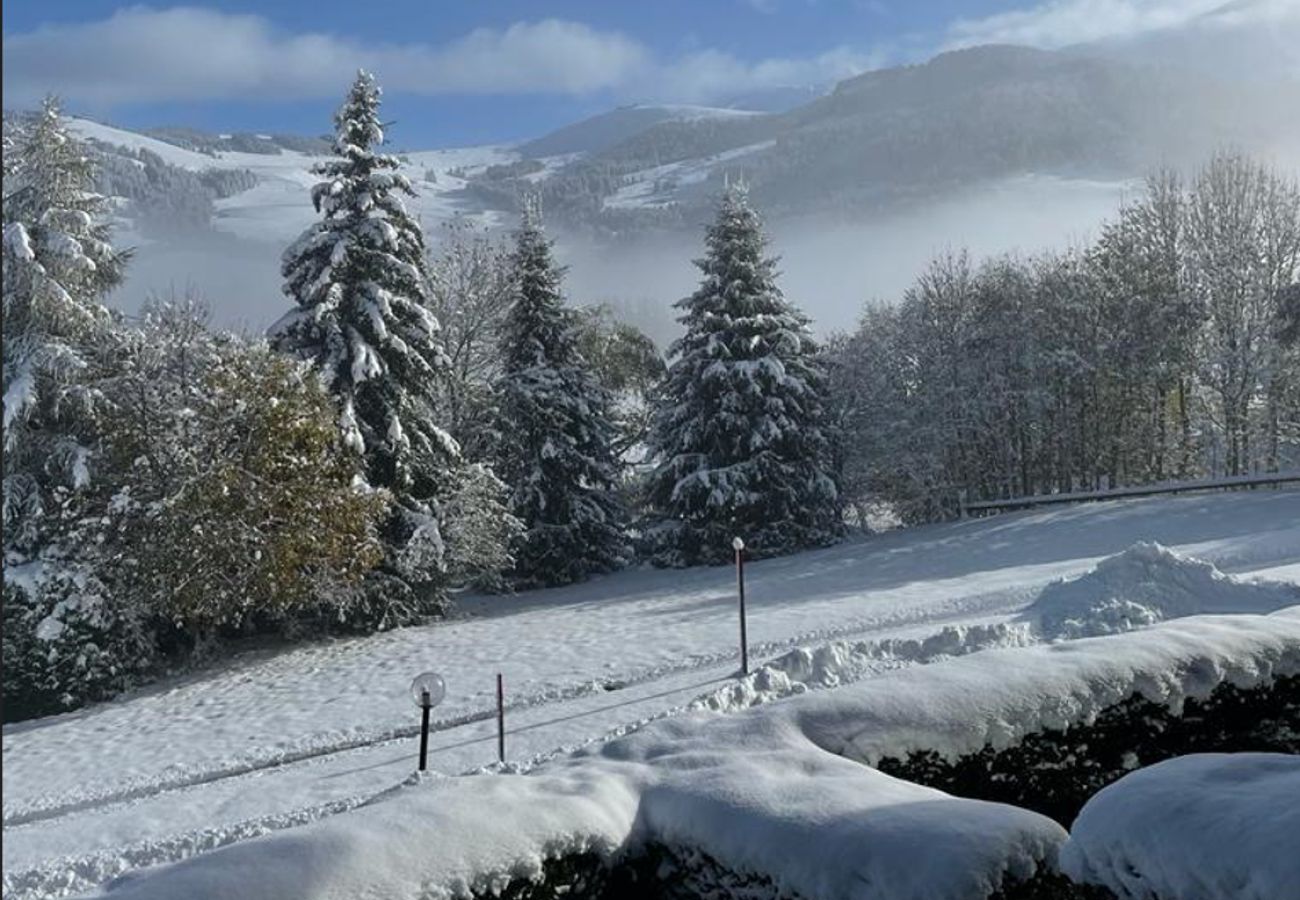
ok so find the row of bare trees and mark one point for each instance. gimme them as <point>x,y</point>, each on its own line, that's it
<point>1166,349</point>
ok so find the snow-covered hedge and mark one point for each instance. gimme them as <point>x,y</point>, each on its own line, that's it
<point>995,698</point>
<point>1210,826</point>
<point>749,792</point>
<point>1054,772</point>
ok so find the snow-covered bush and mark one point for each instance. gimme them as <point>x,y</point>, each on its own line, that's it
<point>68,639</point>
<point>1055,771</point>
<point>480,529</point>
<point>237,504</point>
<point>1211,826</point>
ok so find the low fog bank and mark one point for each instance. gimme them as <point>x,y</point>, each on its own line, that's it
<point>829,267</point>
<point>239,279</point>
<point>832,267</point>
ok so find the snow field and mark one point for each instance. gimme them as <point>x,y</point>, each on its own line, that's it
<point>1215,826</point>
<point>277,209</point>
<point>272,740</point>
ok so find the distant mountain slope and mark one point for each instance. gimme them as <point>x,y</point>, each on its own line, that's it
<point>913,132</point>
<point>606,130</point>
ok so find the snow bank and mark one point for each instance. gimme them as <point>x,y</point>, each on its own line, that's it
<point>1145,584</point>
<point>839,663</point>
<point>1215,826</point>
<point>430,838</point>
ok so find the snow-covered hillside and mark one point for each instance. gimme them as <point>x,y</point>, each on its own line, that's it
<point>270,740</point>
<point>278,207</point>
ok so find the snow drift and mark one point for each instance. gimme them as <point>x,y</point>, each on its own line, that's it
<point>1145,584</point>
<point>773,790</point>
<point>1216,826</point>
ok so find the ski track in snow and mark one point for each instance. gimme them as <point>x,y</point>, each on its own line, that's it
<point>984,582</point>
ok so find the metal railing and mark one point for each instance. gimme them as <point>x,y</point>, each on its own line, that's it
<point>1147,490</point>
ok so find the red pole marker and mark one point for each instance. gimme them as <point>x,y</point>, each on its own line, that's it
<point>501,719</point>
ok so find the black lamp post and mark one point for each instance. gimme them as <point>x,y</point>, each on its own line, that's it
<point>427,690</point>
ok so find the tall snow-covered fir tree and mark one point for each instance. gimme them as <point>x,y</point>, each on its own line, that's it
<point>360,283</point>
<point>65,637</point>
<point>58,264</point>
<point>556,452</point>
<point>739,438</point>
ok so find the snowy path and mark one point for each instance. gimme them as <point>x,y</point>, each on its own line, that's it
<point>271,740</point>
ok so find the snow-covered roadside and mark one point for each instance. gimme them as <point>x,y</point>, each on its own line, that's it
<point>1215,826</point>
<point>1140,586</point>
<point>770,790</point>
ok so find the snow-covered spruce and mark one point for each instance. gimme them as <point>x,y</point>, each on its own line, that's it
<point>739,436</point>
<point>557,434</point>
<point>1211,826</point>
<point>65,640</point>
<point>360,283</point>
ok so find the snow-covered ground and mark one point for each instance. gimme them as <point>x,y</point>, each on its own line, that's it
<point>658,186</point>
<point>274,739</point>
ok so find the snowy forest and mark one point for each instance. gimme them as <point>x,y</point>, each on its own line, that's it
<point>433,416</point>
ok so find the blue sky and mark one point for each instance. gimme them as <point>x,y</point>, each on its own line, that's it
<point>460,71</point>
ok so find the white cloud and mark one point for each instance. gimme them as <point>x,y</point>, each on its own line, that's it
<point>706,74</point>
<point>142,55</point>
<point>1059,23</point>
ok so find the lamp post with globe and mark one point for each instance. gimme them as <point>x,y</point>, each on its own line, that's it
<point>427,690</point>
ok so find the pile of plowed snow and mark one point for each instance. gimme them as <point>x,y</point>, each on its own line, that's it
<point>1145,584</point>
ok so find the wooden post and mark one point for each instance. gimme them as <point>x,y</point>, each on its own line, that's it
<point>739,546</point>
<point>501,719</point>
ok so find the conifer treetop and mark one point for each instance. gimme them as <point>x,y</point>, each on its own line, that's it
<point>558,458</point>
<point>738,435</point>
<point>359,279</point>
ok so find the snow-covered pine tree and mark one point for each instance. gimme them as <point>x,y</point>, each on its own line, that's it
<point>739,438</point>
<point>360,283</point>
<point>556,454</point>
<point>65,641</point>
